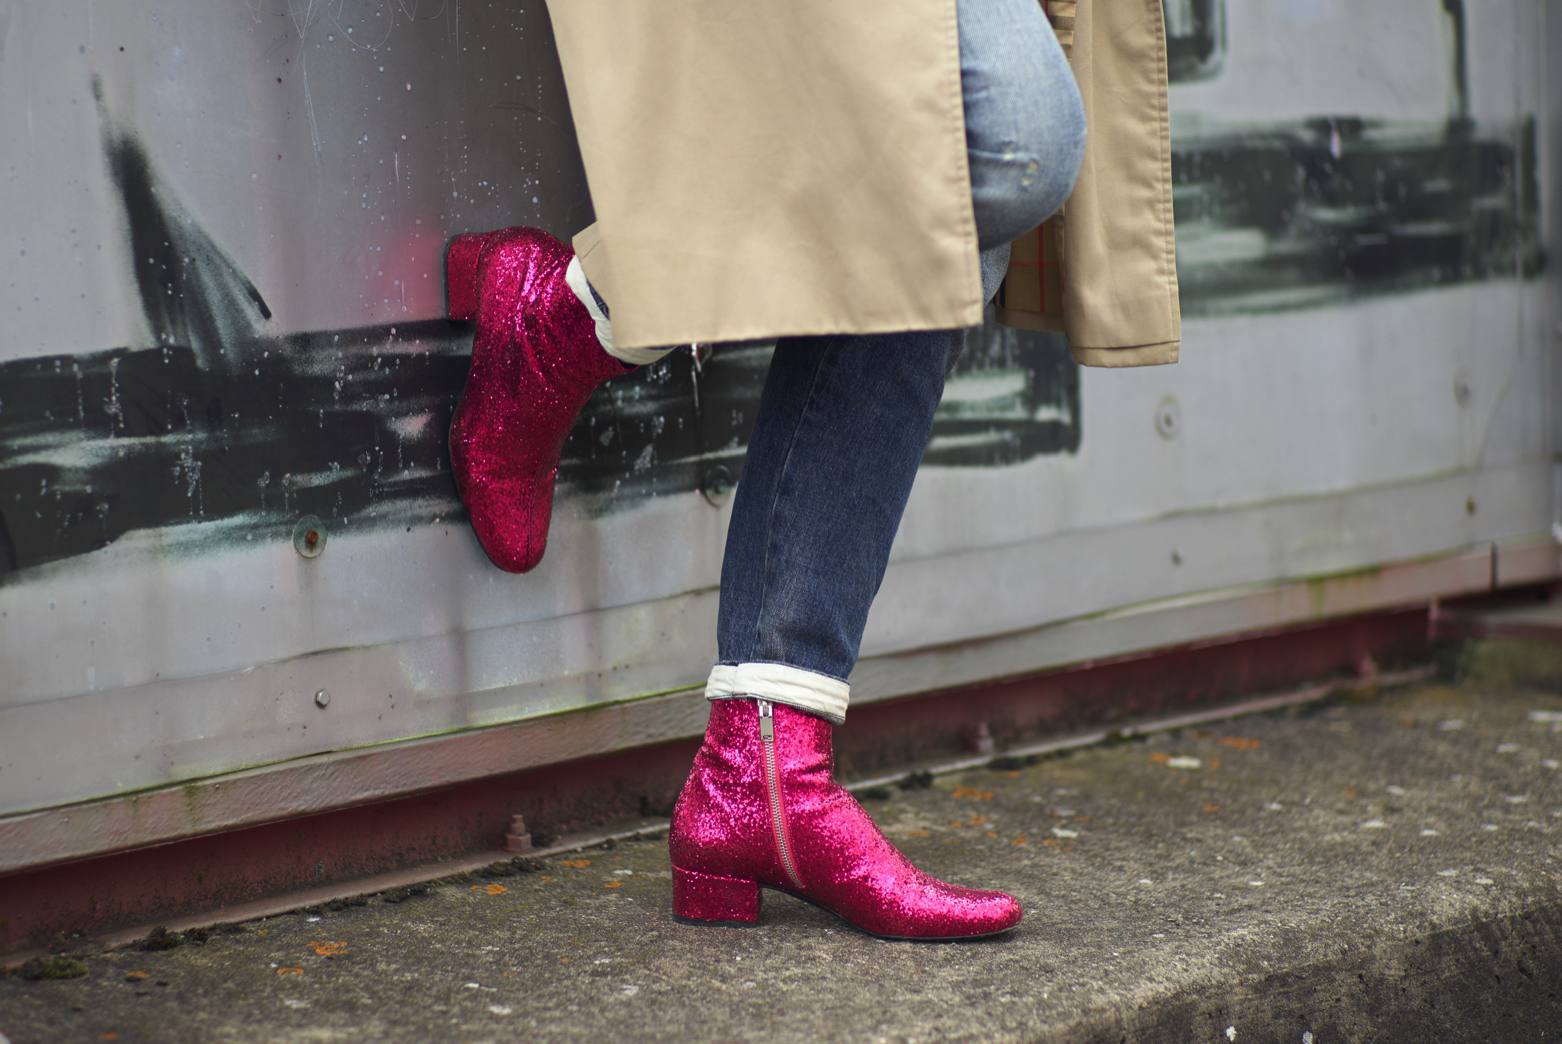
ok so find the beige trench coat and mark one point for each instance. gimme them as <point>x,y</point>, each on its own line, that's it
<point>762,170</point>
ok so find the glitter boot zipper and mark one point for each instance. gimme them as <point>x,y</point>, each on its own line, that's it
<point>767,738</point>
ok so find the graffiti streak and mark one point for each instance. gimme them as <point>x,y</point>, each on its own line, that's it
<point>223,432</point>
<point>220,430</point>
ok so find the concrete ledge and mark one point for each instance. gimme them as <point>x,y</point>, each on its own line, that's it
<point>1492,978</point>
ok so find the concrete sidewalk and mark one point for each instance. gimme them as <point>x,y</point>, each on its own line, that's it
<point>1385,867</point>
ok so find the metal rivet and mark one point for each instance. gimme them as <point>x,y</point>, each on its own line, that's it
<point>309,536</point>
<point>1168,418</point>
<point>322,699</point>
<point>716,484</point>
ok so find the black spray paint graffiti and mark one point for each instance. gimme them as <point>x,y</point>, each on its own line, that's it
<point>191,292</point>
<point>222,432</point>
<point>1332,209</point>
<point>1318,211</point>
<point>225,433</point>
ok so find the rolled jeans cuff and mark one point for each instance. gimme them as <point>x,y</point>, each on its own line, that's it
<point>808,691</point>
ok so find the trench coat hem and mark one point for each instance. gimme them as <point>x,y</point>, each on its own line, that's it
<point>594,262</point>
<point>1161,354</point>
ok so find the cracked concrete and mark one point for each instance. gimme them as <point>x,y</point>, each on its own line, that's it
<point>1386,868</point>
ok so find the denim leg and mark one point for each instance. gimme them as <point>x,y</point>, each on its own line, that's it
<point>841,428</point>
<point>843,420</point>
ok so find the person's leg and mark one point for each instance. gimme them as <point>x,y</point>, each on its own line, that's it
<point>843,421</point>
<point>841,428</point>
<point>1024,120</point>
<point>842,425</point>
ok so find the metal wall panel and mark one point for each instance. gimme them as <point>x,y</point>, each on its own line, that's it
<point>221,298</point>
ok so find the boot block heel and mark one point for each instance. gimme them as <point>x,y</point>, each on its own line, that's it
<point>461,258</point>
<point>709,899</point>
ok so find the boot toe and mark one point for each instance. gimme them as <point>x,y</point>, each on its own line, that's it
<point>998,912</point>
<point>971,913</point>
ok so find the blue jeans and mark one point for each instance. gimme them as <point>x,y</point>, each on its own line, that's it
<point>843,420</point>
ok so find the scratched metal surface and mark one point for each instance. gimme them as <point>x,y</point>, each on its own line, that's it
<point>221,299</point>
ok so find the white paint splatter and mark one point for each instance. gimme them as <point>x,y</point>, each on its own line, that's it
<point>1255,884</point>
<point>1061,832</point>
<point>1146,881</point>
<point>1448,873</point>
<point>1428,832</point>
<point>1231,1033</point>
<point>1515,799</point>
<point>630,989</point>
<point>500,1009</point>
<point>1395,790</point>
<point>1307,1037</point>
<point>1184,762</point>
<point>1484,881</point>
<point>1275,806</point>
<point>1551,763</point>
<point>1546,717</point>
<point>1374,824</point>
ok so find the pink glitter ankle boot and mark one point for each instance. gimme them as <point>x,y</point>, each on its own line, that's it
<point>761,809</point>
<point>535,362</point>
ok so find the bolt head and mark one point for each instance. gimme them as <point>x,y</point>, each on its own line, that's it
<point>322,699</point>
<point>716,485</point>
<point>1168,418</point>
<point>309,537</point>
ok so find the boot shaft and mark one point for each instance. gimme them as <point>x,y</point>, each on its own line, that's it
<point>725,819</point>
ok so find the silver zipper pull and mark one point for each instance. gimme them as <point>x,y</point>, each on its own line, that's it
<point>767,725</point>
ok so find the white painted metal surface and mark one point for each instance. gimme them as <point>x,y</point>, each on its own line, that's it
<point>1370,376</point>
